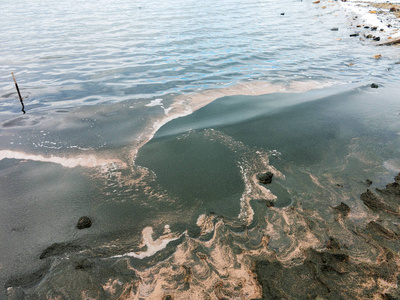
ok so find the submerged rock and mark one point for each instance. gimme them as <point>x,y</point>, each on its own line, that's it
<point>265,178</point>
<point>84,222</point>
<point>393,188</point>
<point>84,264</point>
<point>343,209</point>
<point>378,228</point>
<point>334,29</point>
<point>372,201</point>
<point>59,249</point>
<point>374,86</point>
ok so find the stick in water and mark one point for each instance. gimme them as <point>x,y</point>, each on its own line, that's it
<point>19,94</point>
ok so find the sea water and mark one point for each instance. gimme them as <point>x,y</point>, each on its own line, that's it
<point>154,118</point>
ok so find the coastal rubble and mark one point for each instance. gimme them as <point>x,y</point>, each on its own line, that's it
<point>376,16</point>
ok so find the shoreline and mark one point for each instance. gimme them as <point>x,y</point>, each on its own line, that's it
<point>377,21</point>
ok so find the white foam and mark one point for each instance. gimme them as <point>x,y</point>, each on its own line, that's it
<point>89,161</point>
<point>153,246</point>
<point>155,102</point>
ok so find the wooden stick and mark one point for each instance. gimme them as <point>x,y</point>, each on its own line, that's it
<point>19,94</point>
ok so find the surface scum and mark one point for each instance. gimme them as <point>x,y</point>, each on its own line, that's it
<point>337,238</point>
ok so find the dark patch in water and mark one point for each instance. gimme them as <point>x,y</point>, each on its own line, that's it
<point>28,280</point>
<point>57,249</point>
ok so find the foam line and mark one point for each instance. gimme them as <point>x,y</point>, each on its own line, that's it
<point>89,161</point>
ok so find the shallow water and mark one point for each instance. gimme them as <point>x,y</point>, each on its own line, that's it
<point>104,87</point>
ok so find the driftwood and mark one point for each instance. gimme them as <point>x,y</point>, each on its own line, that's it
<point>390,42</point>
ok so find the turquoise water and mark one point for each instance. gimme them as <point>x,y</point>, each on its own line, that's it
<point>159,115</point>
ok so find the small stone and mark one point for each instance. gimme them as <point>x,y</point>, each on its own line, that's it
<point>168,297</point>
<point>354,34</point>
<point>84,222</point>
<point>392,9</point>
<point>374,28</point>
<point>368,182</point>
<point>316,2</point>
<point>374,86</point>
<point>377,38</point>
<point>282,14</point>
<point>334,29</point>
<point>265,178</point>
<point>369,36</point>
<point>269,203</point>
<point>378,56</point>
<point>366,27</point>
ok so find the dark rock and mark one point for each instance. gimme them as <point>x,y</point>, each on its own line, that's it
<point>393,9</point>
<point>392,188</point>
<point>265,178</point>
<point>369,36</point>
<point>282,14</point>
<point>377,38</point>
<point>167,297</point>
<point>381,29</point>
<point>374,86</point>
<point>59,249</point>
<point>368,182</point>
<point>269,203</point>
<point>397,177</point>
<point>84,222</point>
<point>343,209</point>
<point>328,274</point>
<point>366,27</point>
<point>374,28</point>
<point>372,201</point>
<point>354,34</point>
<point>378,228</point>
<point>335,29</point>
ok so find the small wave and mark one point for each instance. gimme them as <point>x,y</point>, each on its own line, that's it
<point>88,161</point>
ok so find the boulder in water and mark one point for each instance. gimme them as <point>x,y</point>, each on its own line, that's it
<point>265,178</point>
<point>84,222</point>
